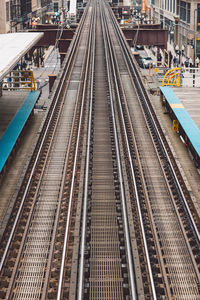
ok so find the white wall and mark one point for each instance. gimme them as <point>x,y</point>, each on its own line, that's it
<point>72,7</point>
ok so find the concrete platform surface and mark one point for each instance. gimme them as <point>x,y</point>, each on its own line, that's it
<point>190,98</point>
<point>9,104</point>
<point>13,46</point>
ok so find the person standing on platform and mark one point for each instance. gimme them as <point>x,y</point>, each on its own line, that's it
<point>175,61</point>
<point>186,62</point>
<point>170,59</point>
<point>197,62</point>
<point>190,62</point>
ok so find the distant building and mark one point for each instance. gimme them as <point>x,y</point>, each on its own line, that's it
<point>16,15</point>
<point>182,19</point>
<point>4,16</point>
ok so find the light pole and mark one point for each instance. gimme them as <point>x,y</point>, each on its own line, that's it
<point>181,54</point>
<point>195,10</point>
<point>178,53</point>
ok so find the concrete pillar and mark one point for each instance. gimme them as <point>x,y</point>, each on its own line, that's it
<point>193,27</point>
<point>1,86</point>
<point>52,78</point>
<point>2,16</point>
<point>72,8</point>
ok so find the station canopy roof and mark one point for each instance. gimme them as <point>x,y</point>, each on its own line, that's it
<point>13,46</point>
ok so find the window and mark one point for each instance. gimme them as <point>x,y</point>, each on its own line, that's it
<point>26,7</point>
<point>178,7</point>
<point>7,12</point>
<point>183,11</point>
<point>43,3</point>
<point>188,13</point>
<point>14,10</point>
<point>55,6</point>
<point>198,18</point>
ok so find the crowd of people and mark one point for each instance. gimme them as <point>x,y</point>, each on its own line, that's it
<point>37,60</point>
<point>177,60</point>
<point>187,63</point>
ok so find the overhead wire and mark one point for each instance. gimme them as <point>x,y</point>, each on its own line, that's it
<point>58,36</point>
<point>136,36</point>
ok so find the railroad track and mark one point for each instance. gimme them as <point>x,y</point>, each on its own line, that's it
<point>103,212</point>
<point>44,194</point>
<point>163,198</point>
<point>107,242</point>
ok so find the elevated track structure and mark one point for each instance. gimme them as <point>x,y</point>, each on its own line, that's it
<point>103,211</point>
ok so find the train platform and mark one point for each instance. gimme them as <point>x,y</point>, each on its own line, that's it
<point>16,126</point>
<point>17,106</point>
<point>182,120</point>
<point>189,97</point>
<point>13,46</point>
<point>10,103</point>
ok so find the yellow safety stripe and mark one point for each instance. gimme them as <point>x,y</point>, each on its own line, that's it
<point>176,105</point>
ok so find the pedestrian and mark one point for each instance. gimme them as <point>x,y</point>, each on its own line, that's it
<point>170,59</point>
<point>9,80</point>
<point>26,58</point>
<point>18,67</point>
<point>42,61</point>
<point>186,62</point>
<point>24,65</point>
<point>174,61</point>
<point>197,62</point>
<point>190,62</point>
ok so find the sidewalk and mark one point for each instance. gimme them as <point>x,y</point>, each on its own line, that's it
<point>170,48</point>
<point>51,66</point>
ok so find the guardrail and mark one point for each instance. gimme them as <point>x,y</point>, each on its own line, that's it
<point>19,80</point>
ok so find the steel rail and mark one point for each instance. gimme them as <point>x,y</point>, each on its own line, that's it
<point>132,171</point>
<point>170,169</point>
<point>47,154</point>
<point>59,295</point>
<point>60,87</point>
<point>59,205</point>
<point>129,58</point>
<point>85,197</point>
<point>31,212</point>
<point>134,177</point>
<point>125,215</point>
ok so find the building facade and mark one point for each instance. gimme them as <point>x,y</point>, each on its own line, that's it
<point>17,15</point>
<point>182,20</point>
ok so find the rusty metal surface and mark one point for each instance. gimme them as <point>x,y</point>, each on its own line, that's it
<point>32,240</point>
<point>51,34</point>
<point>164,242</point>
<point>63,45</point>
<point>105,262</point>
<point>178,261</point>
<point>149,37</point>
<point>54,34</point>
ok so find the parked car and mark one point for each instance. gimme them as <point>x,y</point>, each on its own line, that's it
<point>139,47</point>
<point>145,62</point>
